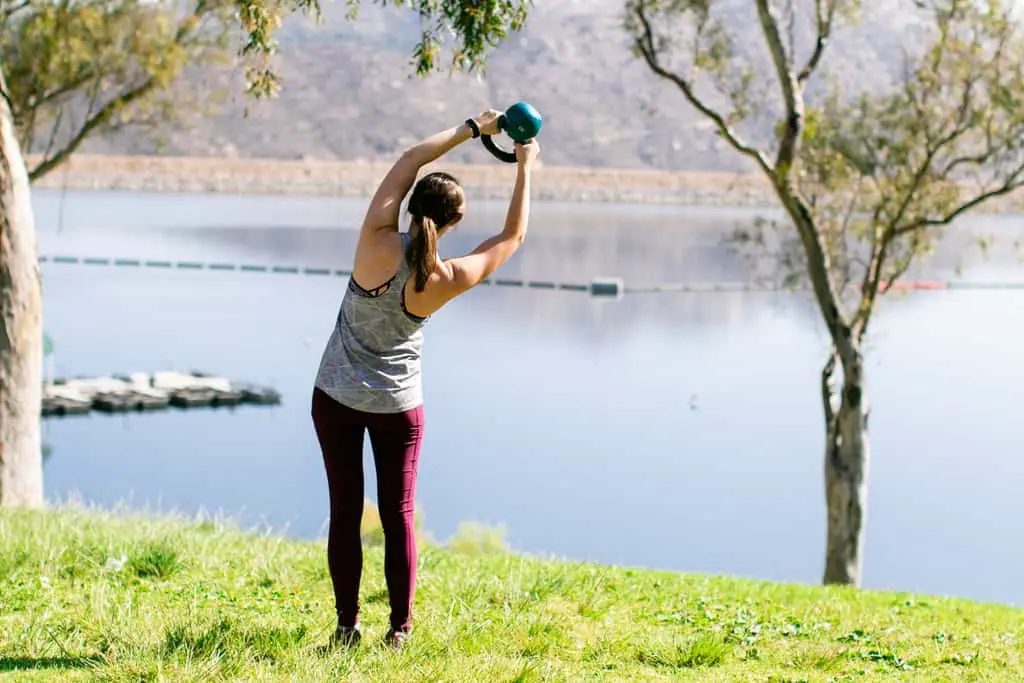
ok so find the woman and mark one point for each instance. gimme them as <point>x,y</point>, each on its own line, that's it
<point>369,376</point>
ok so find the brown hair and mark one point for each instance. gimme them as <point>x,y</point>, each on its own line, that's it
<point>436,202</point>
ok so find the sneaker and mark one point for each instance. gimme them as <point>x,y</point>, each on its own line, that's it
<point>348,636</point>
<point>396,639</point>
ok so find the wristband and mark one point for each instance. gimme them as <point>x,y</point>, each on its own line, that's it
<point>473,127</point>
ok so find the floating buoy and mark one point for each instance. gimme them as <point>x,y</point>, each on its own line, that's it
<point>608,288</point>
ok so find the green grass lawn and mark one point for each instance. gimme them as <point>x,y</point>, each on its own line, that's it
<point>86,595</point>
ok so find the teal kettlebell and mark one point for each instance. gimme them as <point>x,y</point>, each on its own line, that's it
<point>521,122</point>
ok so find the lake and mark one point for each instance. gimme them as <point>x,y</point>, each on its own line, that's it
<point>670,430</point>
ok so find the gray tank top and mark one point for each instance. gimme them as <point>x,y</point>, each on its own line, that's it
<point>372,359</point>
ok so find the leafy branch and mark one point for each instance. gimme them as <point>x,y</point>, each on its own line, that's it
<point>80,68</point>
<point>478,26</point>
<point>650,49</point>
<point>905,159</point>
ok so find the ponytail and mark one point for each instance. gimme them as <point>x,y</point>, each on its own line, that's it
<point>423,251</point>
<point>435,204</point>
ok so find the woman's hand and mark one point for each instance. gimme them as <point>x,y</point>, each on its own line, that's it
<point>526,153</point>
<point>487,121</point>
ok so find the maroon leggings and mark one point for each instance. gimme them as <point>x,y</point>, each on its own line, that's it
<point>395,439</point>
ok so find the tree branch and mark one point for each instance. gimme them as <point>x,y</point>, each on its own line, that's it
<point>65,89</point>
<point>12,8</point>
<point>904,267</point>
<point>645,44</point>
<point>824,20</point>
<point>791,91</point>
<point>869,289</point>
<point>6,95</point>
<point>91,124</point>
<point>1013,183</point>
<point>818,271</point>
<point>780,57</point>
<point>53,132</point>
<point>847,251</point>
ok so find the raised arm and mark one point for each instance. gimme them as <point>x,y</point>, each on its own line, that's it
<point>469,270</point>
<point>383,213</point>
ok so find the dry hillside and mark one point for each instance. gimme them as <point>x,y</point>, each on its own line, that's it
<point>349,94</point>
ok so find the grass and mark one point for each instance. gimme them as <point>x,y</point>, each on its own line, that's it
<point>89,595</point>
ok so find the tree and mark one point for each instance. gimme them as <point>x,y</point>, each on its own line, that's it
<point>867,180</point>
<point>21,347</point>
<point>77,69</point>
<point>112,64</point>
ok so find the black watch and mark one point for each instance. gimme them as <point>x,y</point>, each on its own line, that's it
<point>473,127</point>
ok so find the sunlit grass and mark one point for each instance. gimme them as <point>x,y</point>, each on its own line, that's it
<point>90,595</point>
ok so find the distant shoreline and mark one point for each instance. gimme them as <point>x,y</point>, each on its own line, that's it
<point>358,179</point>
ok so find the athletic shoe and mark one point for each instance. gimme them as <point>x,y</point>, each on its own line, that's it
<point>348,636</point>
<point>396,639</point>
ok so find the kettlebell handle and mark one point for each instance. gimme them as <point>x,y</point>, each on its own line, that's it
<point>499,152</point>
<point>532,122</point>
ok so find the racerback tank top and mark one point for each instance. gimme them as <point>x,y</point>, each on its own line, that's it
<point>372,358</point>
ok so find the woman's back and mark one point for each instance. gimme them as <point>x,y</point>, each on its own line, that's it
<point>372,359</point>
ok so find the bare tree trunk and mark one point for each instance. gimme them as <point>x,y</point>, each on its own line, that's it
<point>21,327</point>
<point>846,470</point>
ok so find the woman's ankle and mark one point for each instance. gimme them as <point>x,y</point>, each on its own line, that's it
<point>404,626</point>
<point>349,618</point>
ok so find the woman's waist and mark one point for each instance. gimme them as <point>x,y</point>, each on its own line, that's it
<point>396,359</point>
<point>345,371</point>
<point>383,356</point>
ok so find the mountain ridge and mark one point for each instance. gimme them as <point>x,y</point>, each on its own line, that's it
<point>349,93</point>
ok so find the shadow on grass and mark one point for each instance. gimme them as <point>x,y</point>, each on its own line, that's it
<point>27,663</point>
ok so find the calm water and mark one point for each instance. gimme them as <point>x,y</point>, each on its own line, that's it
<point>566,419</point>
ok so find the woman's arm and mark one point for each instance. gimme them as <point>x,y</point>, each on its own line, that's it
<point>382,215</point>
<point>469,270</point>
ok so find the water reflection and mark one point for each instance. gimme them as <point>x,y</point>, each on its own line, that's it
<point>567,243</point>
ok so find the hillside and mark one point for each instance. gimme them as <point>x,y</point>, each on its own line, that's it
<point>95,596</point>
<point>349,93</point>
